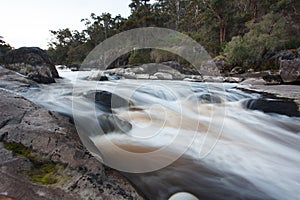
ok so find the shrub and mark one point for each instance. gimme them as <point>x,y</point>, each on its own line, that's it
<point>267,35</point>
<point>140,56</point>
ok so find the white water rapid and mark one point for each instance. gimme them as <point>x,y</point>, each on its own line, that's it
<point>224,150</point>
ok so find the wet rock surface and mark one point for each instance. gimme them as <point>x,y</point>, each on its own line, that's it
<point>42,157</point>
<point>107,101</point>
<point>112,123</point>
<point>278,106</point>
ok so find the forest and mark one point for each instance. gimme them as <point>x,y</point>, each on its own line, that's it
<point>245,33</point>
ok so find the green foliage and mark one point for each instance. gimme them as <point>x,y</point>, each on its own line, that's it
<point>140,56</point>
<point>267,35</point>
<point>159,56</point>
<point>236,51</point>
<point>244,29</point>
<point>69,47</point>
<point>292,43</point>
<point>4,48</point>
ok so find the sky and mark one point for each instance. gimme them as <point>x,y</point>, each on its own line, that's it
<point>27,22</point>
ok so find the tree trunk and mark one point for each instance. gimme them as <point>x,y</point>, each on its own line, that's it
<point>254,9</point>
<point>222,33</point>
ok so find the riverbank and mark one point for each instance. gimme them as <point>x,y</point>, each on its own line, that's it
<point>42,156</point>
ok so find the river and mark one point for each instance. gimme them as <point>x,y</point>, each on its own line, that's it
<point>184,137</point>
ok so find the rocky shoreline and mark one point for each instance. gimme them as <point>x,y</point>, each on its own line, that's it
<point>161,71</point>
<point>281,91</point>
<point>42,156</point>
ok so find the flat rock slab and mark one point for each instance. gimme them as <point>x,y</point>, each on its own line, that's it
<point>54,139</point>
<point>11,80</point>
<point>284,91</point>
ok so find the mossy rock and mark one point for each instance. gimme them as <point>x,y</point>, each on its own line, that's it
<point>18,149</point>
<point>42,171</point>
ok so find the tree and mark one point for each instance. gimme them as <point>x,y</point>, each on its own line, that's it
<point>267,35</point>
<point>245,29</point>
<point>4,48</point>
<point>63,42</point>
<point>69,46</point>
<point>221,10</point>
<point>135,5</point>
<point>141,15</point>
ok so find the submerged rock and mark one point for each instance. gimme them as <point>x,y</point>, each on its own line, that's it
<point>279,106</point>
<point>108,100</point>
<point>111,123</point>
<point>32,62</point>
<point>209,98</point>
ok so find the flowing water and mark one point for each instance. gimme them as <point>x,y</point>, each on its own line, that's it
<point>184,137</point>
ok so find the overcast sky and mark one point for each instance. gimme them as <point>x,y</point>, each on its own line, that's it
<point>27,22</point>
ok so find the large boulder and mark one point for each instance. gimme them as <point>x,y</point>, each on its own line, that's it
<point>32,62</point>
<point>290,71</point>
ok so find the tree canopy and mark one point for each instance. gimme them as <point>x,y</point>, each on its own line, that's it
<point>242,30</point>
